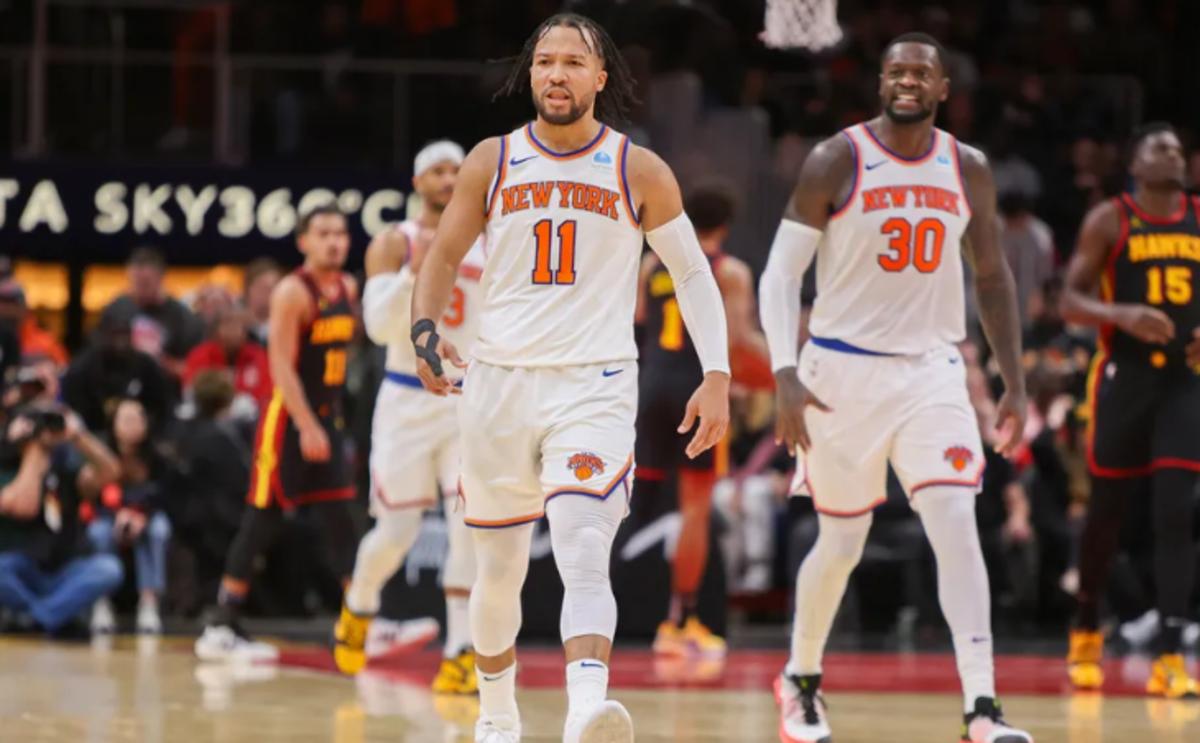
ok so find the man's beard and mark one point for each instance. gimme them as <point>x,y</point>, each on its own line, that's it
<point>575,113</point>
<point>901,117</point>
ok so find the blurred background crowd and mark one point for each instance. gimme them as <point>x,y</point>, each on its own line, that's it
<point>132,391</point>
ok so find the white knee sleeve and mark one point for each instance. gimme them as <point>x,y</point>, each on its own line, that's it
<point>582,530</point>
<point>503,561</point>
<point>379,556</point>
<point>459,571</point>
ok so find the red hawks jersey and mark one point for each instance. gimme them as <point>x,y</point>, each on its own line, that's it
<point>889,266</point>
<point>564,246</point>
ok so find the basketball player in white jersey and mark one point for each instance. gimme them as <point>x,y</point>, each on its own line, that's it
<point>414,435</point>
<point>885,206</point>
<point>548,405</point>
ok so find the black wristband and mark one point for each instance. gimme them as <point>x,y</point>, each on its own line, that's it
<point>420,326</point>
<point>428,351</point>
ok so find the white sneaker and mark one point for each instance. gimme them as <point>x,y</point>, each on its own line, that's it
<point>222,643</point>
<point>986,725</point>
<point>103,621</point>
<point>388,638</point>
<point>607,722</point>
<point>498,730</point>
<point>148,621</point>
<point>802,713</point>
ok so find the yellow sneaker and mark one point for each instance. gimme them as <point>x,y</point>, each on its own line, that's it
<point>457,675</point>
<point>1083,660</point>
<point>669,640</point>
<point>701,640</point>
<point>1170,679</point>
<point>350,640</point>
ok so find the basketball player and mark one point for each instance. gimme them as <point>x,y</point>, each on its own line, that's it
<point>669,371</point>
<point>885,205</point>
<point>548,405</point>
<point>414,437</point>
<point>1143,251</point>
<point>299,458</point>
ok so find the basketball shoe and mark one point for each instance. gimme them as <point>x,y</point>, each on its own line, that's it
<point>457,675</point>
<point>1083,660</point>
<point>607,722</point>
<point>390,638</point>
<point>693,638</point>
<point>498,730</point>
<point>802,711</point>
<point>350,641</point>
<point>1170,679</point>
<point>228,642</point>
<point>986,725</point>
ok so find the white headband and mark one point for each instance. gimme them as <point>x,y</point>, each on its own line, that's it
<point>436,152</point>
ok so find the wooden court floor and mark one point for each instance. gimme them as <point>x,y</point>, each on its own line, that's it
<point>131,689</point>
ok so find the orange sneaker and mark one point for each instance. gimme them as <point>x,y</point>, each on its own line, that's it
<point>701,640</point>
<point>1083,660</point>
<point>1170,679</point>
<point>669,640</point>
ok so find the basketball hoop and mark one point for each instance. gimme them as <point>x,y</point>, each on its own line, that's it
<point>801,24</point>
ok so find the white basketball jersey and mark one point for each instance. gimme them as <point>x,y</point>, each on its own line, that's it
<point>563,249</point>
<point>460,324</point>
<point>889,267</point>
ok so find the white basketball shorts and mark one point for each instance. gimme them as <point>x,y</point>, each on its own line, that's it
<point>532,434</point>
<point>414,446</point>
<point>910,411</point>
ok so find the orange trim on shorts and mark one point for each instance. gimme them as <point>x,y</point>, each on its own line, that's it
<point>264,479</point>
<point>601,493</point>
<point>965,483</point>
<point>845,514</point>
<point>502,523</point>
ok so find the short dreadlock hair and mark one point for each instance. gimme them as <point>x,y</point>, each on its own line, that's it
<point>619,94</point>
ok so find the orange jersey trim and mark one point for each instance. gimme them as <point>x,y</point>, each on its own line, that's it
<point>573,154</point>
<point>900,159</point>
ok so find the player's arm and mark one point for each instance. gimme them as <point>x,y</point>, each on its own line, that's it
<point>737,292</point>
<point>996,293</point>
<point>388,291</point>
<point>673,239</point>
<point>825,179</point>
<point>460,225</point>
<point>1079,304</point>
<point>290,308</point>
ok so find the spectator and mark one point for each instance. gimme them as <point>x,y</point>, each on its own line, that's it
<point>111,369</point>
<point>229,347</point>
<point>161,326</point>
<point>262,274</point>
<point>130,515</point>
<point>45,571</point>
<point>1029,246</point>
<point>16,318</point>
<point>209,302</point>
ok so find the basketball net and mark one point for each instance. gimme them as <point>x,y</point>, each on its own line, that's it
<point>803,24</point>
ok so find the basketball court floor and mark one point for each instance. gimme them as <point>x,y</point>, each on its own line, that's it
<point>154,691</point>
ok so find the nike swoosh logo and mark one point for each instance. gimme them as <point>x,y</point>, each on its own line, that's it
<point>611,373</point>
<point>585,664</point>
<point>485,677</point>
<point>870,166</point>
<point>515,162</point>
<point>953,361</point>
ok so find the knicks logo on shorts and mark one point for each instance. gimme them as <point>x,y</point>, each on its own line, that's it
<point>958,457</point>
<point>585,465</point>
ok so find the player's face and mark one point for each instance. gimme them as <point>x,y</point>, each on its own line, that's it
<point>565,76</point>
<point>436,184</point>
<point>912,83</point>
<point>326,242</point>
<point>1159,161</point>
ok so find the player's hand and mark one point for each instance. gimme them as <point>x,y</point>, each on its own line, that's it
<point>1146,323</point>
<point>1010,421</point>
<point>439,384</point>
<point>709,403</point>
<point>314,443</point>
<point>1193,349</point>
<point>791,398</point>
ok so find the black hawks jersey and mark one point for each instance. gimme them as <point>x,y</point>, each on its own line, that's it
<point>666,345</point>
<point>1155,262</point>
<point>321,354</point>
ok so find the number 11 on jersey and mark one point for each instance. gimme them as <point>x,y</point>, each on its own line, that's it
<point>542,235</point>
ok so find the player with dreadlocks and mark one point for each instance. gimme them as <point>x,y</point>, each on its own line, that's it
<point>548,404</point>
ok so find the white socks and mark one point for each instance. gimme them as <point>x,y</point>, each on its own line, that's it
<point>820,586</point>
<point>587,684</point>
<point>948,514</point>
<point>458,625</point>
<point>498,696</point>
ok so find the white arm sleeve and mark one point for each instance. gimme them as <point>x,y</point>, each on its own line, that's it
<point>385,301</point>
<point>779,290</point>
<point>695,289</point>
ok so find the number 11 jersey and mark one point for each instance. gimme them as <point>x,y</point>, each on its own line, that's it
<point>564,243</point>
<point>889,268</point>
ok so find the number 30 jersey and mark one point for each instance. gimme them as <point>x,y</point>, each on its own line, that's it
<point>564,245</point>
<point>889,267</point>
